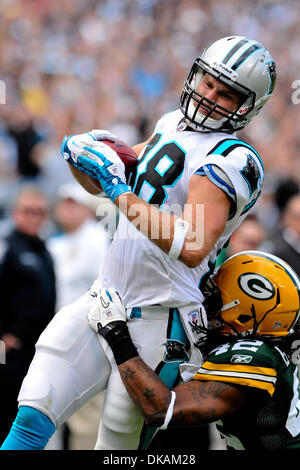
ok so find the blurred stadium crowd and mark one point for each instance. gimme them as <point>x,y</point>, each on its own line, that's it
<point>73,65</point>
<point>68,66</point>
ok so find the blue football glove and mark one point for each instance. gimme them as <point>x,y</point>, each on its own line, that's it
<point>71,145</point>
<point>92,157</point>
<point>97,160</point>
<point>105,165</point>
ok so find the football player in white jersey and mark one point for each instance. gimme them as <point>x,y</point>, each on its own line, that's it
<point>193,185</point>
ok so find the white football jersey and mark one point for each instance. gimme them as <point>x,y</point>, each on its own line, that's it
<point>140,271</point>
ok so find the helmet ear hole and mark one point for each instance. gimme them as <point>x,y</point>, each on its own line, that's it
<point>244,318</point>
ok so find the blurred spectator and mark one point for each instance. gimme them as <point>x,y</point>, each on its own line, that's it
<point>27,290</point>
<point>284,191</point>
<point>248,236</point>
<point>26,137</point>
<point>286,243</point>
<point>78,252</point>
<point>80,246</point>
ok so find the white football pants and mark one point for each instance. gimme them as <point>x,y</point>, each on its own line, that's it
<point>70,366</point>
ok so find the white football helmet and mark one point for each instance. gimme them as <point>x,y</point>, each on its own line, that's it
<point>241,63</point>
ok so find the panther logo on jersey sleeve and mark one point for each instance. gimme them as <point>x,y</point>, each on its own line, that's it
<point>251,173</point>
<point>243,168</point>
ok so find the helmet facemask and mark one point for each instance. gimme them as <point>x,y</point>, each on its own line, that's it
<point>242,64</point>
<point>191,101</point>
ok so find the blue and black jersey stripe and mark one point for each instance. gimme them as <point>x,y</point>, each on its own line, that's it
<point>225,146</point>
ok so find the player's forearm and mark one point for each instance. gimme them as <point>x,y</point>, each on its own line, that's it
<point>156,226</point>
<point>196,403</point>
<point>147,390</point>
<point>159,227</point>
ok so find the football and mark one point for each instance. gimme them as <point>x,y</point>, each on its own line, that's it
<point>126,154</point>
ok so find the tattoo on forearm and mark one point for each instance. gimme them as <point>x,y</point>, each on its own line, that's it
<point>207,416</point>
<point>212,389</point>
<point>148,372</point>
<point>200,397</point>
<point>152,400</point>
<point>182,417</point>
<point>152,416</point>
<point>149,393</point>
<point>193,388</point>
<point>128,373</point>
<point>207,389</point>
<point>200,400</point>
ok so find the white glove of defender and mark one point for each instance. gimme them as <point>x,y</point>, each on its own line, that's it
<point>106,307</point>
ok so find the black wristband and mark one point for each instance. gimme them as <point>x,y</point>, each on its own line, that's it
<point>118,337</point>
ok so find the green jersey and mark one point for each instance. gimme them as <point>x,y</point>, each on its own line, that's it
<point>270,418</point>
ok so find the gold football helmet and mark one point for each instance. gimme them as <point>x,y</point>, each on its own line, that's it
<point>260,296</point>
